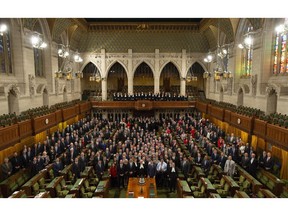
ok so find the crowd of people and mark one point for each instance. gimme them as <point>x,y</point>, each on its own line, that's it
<point>162,96</point>
<point>139,147</point>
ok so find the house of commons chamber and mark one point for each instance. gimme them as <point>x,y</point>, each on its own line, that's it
<point>143,108</point>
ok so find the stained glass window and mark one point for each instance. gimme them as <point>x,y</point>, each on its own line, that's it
<point>280,63</point>
<point>5,53</point>
<point>247,55</point>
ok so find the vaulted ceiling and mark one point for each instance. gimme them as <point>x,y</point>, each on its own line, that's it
<point>141,35</point>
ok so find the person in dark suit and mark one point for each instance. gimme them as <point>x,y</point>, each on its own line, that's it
<point>16,163</point>
<point>262,159</point>
<point>57,167</point>
<point>131,168</point>
<point>253,165</point>
<point>269,162</point>
<point>245,161</point>
<point>206,165</point>
<point>99,170</point>
<point>172,177</point>
<point>121,174</point>
<point>185,167</point>
<point>35,167</point>
<point>76,170</point>
<point>151,169</point>
<point>198,159</point>
<point>222,160</point>
<point>6,168</point>
<point>24,159</point>
<point>215,157</point>
<point>82,161</point>
<point>142,171</point>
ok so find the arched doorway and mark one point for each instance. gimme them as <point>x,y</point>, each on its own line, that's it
<point>45,97</point>
<point>65,99</point>
<point>117,80</point>
<point>240,99</point>
<point>195,86</point>
<point>91,82</point>
<point>170,79</point>
<point>271,102</point>
<point>221,95</point>
<point>13,102</point>
<point>143,79</point>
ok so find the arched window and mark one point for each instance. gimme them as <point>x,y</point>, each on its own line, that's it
<point>5,50</point>
<point>38,54</point>
<point>280,64</point>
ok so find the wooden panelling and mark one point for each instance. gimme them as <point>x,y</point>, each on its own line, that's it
<point>227,116</point>
<point>260,128</point>
<point>277,135</point>
<point>202,107</point>
<point>77,109</point>
<point>69,112</point>
<point>58,115</point>
<point>138,105</point>
<point>25,129</point>
<point>209,107</point>
<point>44,122</point>
<point>84,107</point>
<point>217,112</point>
<point>242,122</point>
<point>9,136</point>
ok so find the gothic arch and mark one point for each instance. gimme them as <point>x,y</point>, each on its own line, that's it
<point>40,88</point>
<point>245,88</point>
<point>111,65</point>
<point>139,63</point>
<point>87,62</point>
<point>174,63</point>
<point>190,65</point>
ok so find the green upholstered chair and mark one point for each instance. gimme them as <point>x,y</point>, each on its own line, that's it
<point>21,180</point>
<point>260,194</point>
<point>221,185</point>
<point>284,194</point>
<point>65,186</point>
<point>59,192</point>
<point>201,193</point>
<point>51,176</point>
<point>85,194</point>
<point>87,187</point>
<point>225,191</point>
<point>35,188</point>
<point>246,186</point>
<point>270,185</point>
<point>195,188</point>
<point>241,180</point>
<point>42,183</point>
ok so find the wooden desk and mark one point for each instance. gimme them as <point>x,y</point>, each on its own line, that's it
<point>102,189</point>
<point>209,188</point>
<point>141,190</point>
<point>52,185</point>
<point>87,172</point>
<point>77,186</point>
<point>65,171</point>
<point>28,185</point>
<point>183,188</point>
<point>241,194</point>
<point>45,194</point>
<point>18,194</point>
<point>233,185</point>
<point>214,195</point>
<point>267,193</point>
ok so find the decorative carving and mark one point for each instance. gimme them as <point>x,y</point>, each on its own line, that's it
<point>32,85</point>
<point>254,84</point>
<point>229,85</point>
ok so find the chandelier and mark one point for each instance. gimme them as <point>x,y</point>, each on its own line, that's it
<point>221,56</point>
<point>68,68</point>
<point>190,76</point>
<point>37,41</point>
<point>248,39</point>
<point>283,28</point>
<point>96,77</point>
<point>3,29</point>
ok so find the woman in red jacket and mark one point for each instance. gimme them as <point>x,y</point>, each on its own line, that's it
<point>113,175</point>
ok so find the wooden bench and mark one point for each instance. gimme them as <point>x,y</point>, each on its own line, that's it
<point>209,188</point>
<point>88,172</point>
<point>270,181</point>
<point>256,185</point>
<point>15,181</point>
<point>265,193</point>
<point>196,174</point>
<point>214,195</point>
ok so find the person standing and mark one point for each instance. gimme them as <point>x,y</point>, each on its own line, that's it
<point>172,176</point>
<point>6,168</point>
<point>230,166</point>
<point>253,165</point>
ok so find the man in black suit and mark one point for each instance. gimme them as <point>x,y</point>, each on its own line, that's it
<point>245,161</point>
<point>206,165</point>
<point>15,161</point>
<point>76,169</point>
<point>215,156</point>
<point>57,167</point>
<point>269,162</point>
<point>121,174</point>
<point>151,169</point>
<point>172,177</point>
<point>82,161</point>
<point>99,170</point>
<point>222,160</point>
<point>24,159</point>
<point>6,168</point>
<point>198,159</point>
<point>131,168</point>
<point>253,165</point>
<point>185,167</point>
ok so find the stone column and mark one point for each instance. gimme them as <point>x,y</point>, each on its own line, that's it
<point>130,72</point>
<point>157,73</point>
<point>103,75</point>
<point>183,74</point>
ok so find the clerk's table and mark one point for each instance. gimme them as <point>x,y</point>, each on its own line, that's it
<point>146,190</point>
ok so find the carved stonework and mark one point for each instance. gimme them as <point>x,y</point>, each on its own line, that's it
<point>135,63</point>
<point>229,86</point>
<point>32,85</point>
<point>72,85</point>
<point>254,84</point>
<point>109,62</point>
<point>98,62</point>
<point>56,86</point>
<point>162,62</point>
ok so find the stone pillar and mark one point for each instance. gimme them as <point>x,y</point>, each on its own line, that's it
<point>157,73</point>
<point>130,72</point>
<point>183,74</point>
<point>103,75</point>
